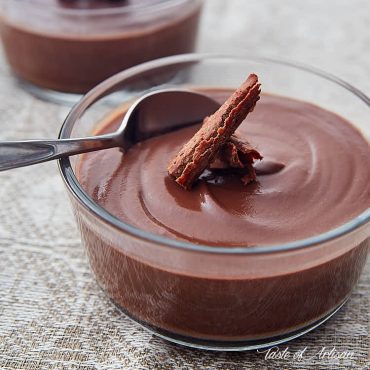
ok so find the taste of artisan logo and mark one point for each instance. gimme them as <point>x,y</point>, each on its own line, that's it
<point>324,353</point>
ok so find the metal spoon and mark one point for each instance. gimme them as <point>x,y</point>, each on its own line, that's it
<point>151,115</point>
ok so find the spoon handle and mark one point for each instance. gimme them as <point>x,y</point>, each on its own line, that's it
<point>14,154</point>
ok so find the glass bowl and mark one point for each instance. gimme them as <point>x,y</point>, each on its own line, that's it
<point>70,46</point>
<point>219,298</point>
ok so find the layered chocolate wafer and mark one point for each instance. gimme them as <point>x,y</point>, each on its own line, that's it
<point>199,152</point>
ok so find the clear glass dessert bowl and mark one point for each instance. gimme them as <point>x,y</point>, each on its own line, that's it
<point>214,297</point>
<point>58,48</point>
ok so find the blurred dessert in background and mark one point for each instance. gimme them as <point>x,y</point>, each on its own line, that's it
<point>72,45</point>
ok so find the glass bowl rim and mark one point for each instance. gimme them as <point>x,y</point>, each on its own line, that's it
<point>123,9</point>
<point>83,198</point>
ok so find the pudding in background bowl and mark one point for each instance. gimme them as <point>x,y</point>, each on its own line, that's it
<point>226,266</point>
<point>71,45</point>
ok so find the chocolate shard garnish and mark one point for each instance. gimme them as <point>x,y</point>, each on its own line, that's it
<point>200,151</point>
<point>239,155</point>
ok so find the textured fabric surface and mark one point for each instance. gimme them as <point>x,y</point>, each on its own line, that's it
<point>52,313</point>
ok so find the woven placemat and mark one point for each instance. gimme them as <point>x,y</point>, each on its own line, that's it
<point>54,316</point>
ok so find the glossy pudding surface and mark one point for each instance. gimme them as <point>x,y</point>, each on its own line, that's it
<point>312,179</point>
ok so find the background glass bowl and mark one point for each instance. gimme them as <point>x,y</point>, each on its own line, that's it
<point>53,46</point>
<point>177,289</point>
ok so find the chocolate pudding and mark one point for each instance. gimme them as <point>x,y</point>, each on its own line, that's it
<point>314,177</point>
<point>70,46</point>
